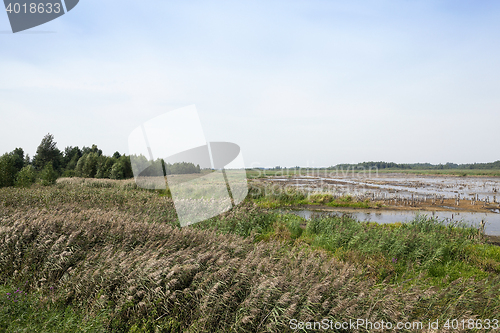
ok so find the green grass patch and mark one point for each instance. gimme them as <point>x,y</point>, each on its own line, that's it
<point>22,311</point>
<point>339,203</point>
<point>276,196</point>
<point>399,251</point>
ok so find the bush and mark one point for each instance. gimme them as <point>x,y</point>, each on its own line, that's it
<point>48,175</point>
<point>26,176</point>
<point>69,173</point>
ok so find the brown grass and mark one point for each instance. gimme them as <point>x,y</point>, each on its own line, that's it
<point>96,259</point>
<point>103,253</point>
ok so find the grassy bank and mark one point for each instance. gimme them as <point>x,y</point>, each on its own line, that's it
<point>112,257</point>
<point>277,196</point>
<point>424,247</point>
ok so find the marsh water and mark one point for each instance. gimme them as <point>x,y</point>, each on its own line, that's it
<point>387,216</point>
<point>398,185</point>
<point>479,197</point>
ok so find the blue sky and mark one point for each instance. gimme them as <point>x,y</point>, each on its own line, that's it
<point>292,82</point>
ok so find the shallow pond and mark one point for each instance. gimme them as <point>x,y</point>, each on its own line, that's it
<point>385,186</point>
<point>390,216</point>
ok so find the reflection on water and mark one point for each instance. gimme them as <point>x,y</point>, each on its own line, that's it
<point>387,216</point>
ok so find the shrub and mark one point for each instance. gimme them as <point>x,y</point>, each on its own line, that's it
<point>69,173</point>
<point>48,175</point>
<point>26,176</point>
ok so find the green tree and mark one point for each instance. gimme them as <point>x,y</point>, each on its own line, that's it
<point>18,154</point>
<point>107,166</point>
<point>47,152</point>
<point>117,171</point>
<point>122,169</point>
<point>140,162</point>
<point>48,175</point>
<point>8,169</point>
<point>79,165</point>
<point>90,167</point>
<point>127,167</point>
<point>26,176</point>
<point>27,160</point>
<point>182,168</point>
<point>104,165</point>
<point>93,149</point>
<point>71,166</point>
<point>71,156</point>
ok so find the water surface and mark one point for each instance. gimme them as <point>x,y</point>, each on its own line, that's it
<point>391,216</point>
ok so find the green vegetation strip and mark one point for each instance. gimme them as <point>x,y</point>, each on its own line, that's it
<point>21,311</point>
<point>276,196</point>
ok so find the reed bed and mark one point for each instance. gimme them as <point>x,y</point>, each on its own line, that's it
<point>156,275</point>
<point>116,255</point>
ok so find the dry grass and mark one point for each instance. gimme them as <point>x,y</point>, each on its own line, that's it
<point>194,280</point>
<point>112,249</point>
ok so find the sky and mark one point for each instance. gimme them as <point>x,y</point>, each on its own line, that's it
<point>293,83</point>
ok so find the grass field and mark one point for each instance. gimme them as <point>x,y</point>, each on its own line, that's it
<point>104,256</point>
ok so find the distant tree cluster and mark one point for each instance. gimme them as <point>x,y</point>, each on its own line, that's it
<point>181,168</point>
<point>49,163</point>
<point>493,165</point>
<point>418,166</point>
<point>373,165</point>
<point>159,167</point>
<point>91,163</point>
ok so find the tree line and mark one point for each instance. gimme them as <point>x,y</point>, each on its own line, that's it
<point>49,163</point>
<point>418,166</point>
